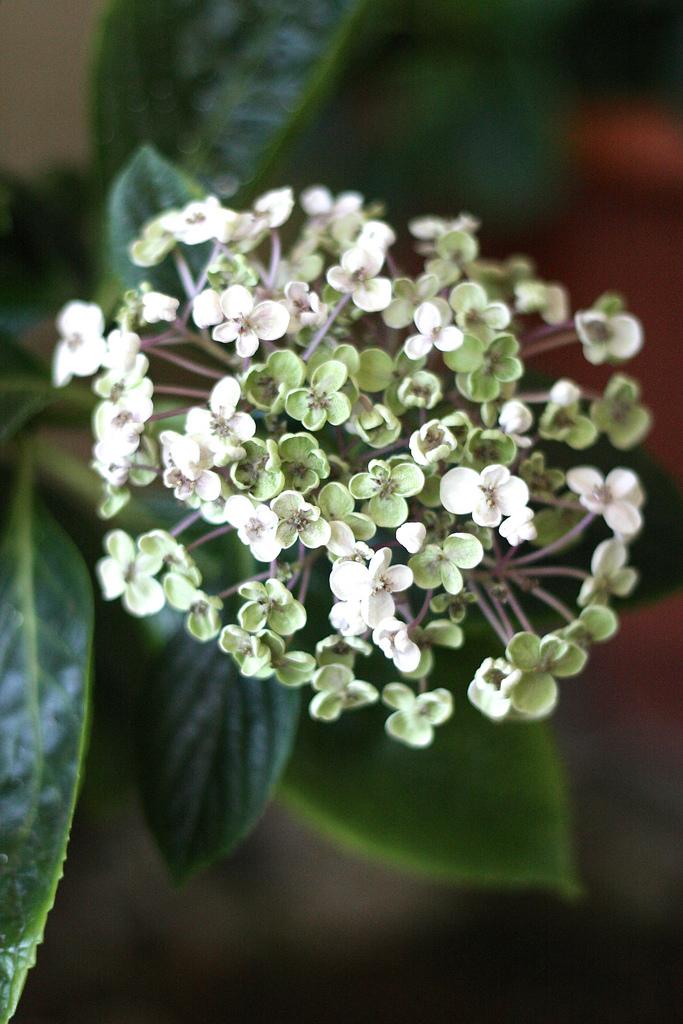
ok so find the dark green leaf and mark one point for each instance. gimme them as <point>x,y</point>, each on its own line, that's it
<point>219,84</point>
<point>45,640</point>
<point>212,747</point>
<point>485,805</point>
<point>24,388</point>
<point>147,186</point>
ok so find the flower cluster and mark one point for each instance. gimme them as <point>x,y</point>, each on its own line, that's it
<point>371,440</point>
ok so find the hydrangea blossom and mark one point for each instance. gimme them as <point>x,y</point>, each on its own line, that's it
<point>370,452</point>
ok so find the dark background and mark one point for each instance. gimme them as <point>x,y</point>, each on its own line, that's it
<point>292,928</point>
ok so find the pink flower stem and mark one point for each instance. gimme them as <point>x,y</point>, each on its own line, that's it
<point>184,523</point>
<point>547,331</point>
<point>553,602</point>
<point>536,348</point>
<point>274,260</point>
<point>423,610</point>
<point>186,364</point>
<point>184,273</point>
<point>320,334</point>
<point>167,389</point>
<point>488,612</point>
<point>502,614</point>
<point>553,570</point>
<point>519,611</point>
<point>212,535</point>
<point>557,545</point>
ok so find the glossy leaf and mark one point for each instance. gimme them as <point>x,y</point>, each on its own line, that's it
<point>212,747</point>
<point>147,186</point>
<point>24,388</point>
<point>219,84</point>
<point>485,805</point>
<point>45,640</point>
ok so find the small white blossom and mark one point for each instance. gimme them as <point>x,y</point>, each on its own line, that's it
<point>518,527</point>
<point>200,221</point>
<point>606,337</point>
<point>434,330</point>
<point>357,276</point>
<point>206,309</point>
<point>319,203</point>
<point>220,428</point>
<point>416,715</point>
<point>375,234</point>
<point>392,638</point>
<point>565,392</point>
<point>304,306</point>
<point>372,585</point>
<point>343,543</point>
<point>157,308</point>
<point>81,349</point>
<point>428,229</point>
<point>486,496</point>
<point>490,689</point>
<point>188,469</point>
<point>617,497</point>
<point>256,526</point>
<point>515,418</point>
<point>117,383</point>
<point>346,618</point>
<point>411,536</point>
<point>247,322</point>
<point>274,207</point>
<point>610,576</point>
<point>129,574</point>
<point>119,424</point>
<point>123,348</point>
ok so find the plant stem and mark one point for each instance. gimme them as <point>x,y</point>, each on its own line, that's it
<point>184,273</point>
<point>423,610</point>
<point>502,615</point>
<point>169,413</point>
<point>488,612</point>
<point>186,364</point>
<point>553,602</point>
<point>168,389</point>
<point>236,586</point>
<point>553,570</point>
<point>557,545</point>
<point>536,348</point>
<point>320,334</point>
<point>218,532</point>
<point>184,523</point>
<point>519,611</point>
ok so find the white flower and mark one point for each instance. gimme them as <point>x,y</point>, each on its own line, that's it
<point>606,337</point>
<point>565,392</point>
<point>157,307</point>
<point>610,576</point>
<point>486,496</point>
<point>518,527</point>
<point>391,636</point>
<point>375,234</point>
<point>128,573</point>
<point>274,207</point>
<point>220,428</point>
<point>187,467</point>
<point>246,323</point>
<point>319,203</point>
<point>256,526</point>
<point>357,276</point>
<point>206,308</point>
<point>431,443</point>
<point>200,221</point>
<point>343,543</point>
<point>434,330</point>
<point>345,618</point>
<point>550,300</point>
<point>617,497</point>
<point>411,536</point>
<point>372,585</point>
<point>515,418</point>
<point>416,715</point>
<point>116,383</point>
<point>119,424</point>
<point>490,689</point>
<point>475,314</point>
<point>429,228</point>
<point>81,348</point>
<point>122,350</point>
<point>304,306</point>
